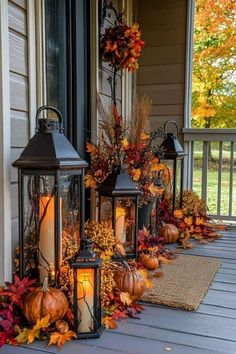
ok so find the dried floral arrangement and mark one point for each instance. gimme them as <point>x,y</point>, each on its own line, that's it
<point>121,46</point>
<point>191,220</point>
<point>128,144</point>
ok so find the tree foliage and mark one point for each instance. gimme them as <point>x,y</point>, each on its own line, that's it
<point>214,64</point>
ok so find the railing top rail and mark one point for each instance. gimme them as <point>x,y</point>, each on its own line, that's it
<point>204,134</point>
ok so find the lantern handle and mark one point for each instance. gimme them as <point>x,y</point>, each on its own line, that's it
<point>173,122</point>
<point>51,108</point>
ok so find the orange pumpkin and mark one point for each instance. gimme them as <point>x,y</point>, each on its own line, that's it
<point>45,301</point>
<point>169,232</point>
<point>130,281</point>
<point>149,261</point>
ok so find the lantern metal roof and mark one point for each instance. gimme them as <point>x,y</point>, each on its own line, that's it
<point>49,149</point>
<point>119,184</point>
<point>171,146</point>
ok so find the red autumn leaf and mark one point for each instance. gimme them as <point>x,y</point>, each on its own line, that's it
<point>18,289</point>
<point>132,312</point>
<point>6,336</point>
<point>119,315</point>
<point>137,307</point>
<point>7,319</point>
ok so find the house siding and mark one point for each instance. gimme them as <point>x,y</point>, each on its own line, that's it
<point>161,75</point>
<point>19,96</point>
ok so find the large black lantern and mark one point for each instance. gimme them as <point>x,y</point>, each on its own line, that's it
<point>51,199</point>
<point>174,160</point>
<point>87,302</point>
<point>118,203</point>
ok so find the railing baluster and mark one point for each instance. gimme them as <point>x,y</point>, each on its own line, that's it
<point>206,136</point>
<point>191,162</point>
<point>204,169</point>
<point>219,177</point>
<point>231,178</point>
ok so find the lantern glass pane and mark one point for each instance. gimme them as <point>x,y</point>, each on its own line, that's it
<point>38,225</point>
<point>106,209</point>
<point>168,176</point>
<point>178,182</point>
<point>70,215</point>
<point>85,300</point>
<point>125,223</point>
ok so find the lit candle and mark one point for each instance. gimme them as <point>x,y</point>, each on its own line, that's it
<point>85,295</point>
<point>120,225</point>
<point>46,236</point>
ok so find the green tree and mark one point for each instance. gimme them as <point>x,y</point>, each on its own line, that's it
<point>214,64</point>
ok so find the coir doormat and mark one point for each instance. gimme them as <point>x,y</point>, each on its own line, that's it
<point>184,282</point>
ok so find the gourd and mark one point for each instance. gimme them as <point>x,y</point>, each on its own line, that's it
<point>149,261</point>
<point>169,232</point>
<point>130,281</point>
<point>44,301</point>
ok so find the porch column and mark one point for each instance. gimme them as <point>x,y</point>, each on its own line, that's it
<point>5,144</point>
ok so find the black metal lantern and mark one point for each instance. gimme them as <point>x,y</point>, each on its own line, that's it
<point>174,160</point>
<point>87,302</point>
<point>118,203</point>
<point>51,199</point>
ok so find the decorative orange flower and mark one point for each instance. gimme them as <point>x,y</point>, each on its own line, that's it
<point>136,174</point>
<point>178,213</point>
<point>200,221</point>
<point>188,220</point>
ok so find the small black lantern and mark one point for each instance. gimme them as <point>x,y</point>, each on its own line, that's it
<point>87,302</point>
<point>51,199</point>
<point>174,160</point>
<point>118,203</point>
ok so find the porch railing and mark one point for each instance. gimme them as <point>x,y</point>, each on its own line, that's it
<point>211,169</point>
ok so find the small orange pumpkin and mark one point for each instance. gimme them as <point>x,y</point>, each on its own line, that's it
<point>169,232</point>
<point>149,261</point>
<point>130,281</point>
<point>45,301</point>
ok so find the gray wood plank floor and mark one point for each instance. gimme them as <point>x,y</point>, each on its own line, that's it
<point>210,329</point>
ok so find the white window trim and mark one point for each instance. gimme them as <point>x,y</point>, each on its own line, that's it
<point>188,92</point>
<point>5,149</point>
<point>189,65</point>
<point>31,27</point>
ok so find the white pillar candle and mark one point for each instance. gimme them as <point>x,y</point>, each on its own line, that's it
<point>120,225</point>
<point>46,236</point>
<point>85,296</point>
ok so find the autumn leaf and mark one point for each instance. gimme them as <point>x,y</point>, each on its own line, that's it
<point>158,274</point>
<point>35,331</point>
<point>164,260</point>
<point>136,174</point>
<point>148,282</point>
<point>60,338</point>
<point>109,323</point>
<point>22,337</point>
<point>125,298</point>
<point>18,289</point>
<point>119,315</point>
<point>90,148</point>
